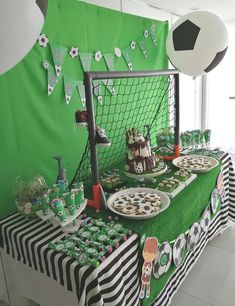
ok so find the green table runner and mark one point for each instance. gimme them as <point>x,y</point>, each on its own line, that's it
<point>185,209</point>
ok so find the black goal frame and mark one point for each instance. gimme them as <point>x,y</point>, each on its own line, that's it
<point>89,77</point>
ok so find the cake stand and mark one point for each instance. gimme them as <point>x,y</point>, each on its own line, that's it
<point>72,222</point>
<point>147,177</point>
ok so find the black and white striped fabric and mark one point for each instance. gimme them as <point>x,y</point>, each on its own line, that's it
<point>217,225</point>
<point>115,282</point>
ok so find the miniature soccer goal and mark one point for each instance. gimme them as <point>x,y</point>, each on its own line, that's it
<point>116,101</point>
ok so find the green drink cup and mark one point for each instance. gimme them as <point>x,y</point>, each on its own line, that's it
<point>162,140</point>
<point>55,192</point>
<point>79,194</point>
<point>63,187</point>
<point>207,136</point>
<point>45,204</point>
<point>57,207</point>
<point>197,137</point>
<point>183,139</point>
<point>69,198</point>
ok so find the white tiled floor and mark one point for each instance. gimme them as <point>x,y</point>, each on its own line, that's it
<point>212,280</point>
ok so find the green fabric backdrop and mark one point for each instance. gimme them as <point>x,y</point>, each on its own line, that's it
<point>35,126</point>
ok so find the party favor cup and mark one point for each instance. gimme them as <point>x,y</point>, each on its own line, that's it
<point>69,198</point>
<point>57,207</point>
<point>79,193</point>
<point>63,187</point>
<point>54,193</point>
<point>207,136</point>
<point>45,204</point>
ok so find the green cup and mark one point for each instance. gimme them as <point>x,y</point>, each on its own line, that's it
<point>45,204</point>
<point>207,136</point>
<point>57,207</point>
<point>79,194</point>
<point>69,198</point>
<point>63,187</point>
<point>54,193</point>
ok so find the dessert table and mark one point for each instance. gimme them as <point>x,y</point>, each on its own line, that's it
<point>116,281</point>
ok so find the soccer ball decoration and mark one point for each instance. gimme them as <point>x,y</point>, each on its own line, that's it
<point>197,43</point>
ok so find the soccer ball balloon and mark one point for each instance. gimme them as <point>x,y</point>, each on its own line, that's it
<point>197,43</point>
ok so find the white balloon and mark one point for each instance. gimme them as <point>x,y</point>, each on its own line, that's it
<point>20,24</point>
<point>197,42</point>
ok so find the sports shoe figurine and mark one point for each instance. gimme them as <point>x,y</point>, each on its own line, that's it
<point>81,117</point>
<point>101,138</point>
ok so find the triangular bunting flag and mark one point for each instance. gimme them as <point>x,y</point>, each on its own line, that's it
<point>81,91</point>
<point>51,79</point>
<point>97,91</point>
<point>143,47</point>
<point>109,60</point>
<point>152,33</point>
<point>127,58</point>
<point>86,59</point>
<point>58,54</point>
<point>109,85</point>
<point>69,87</point>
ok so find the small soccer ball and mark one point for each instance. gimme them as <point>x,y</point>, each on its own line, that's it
<point>193,236</point>
<point>98,56</point>
<point>205,220</point>
<point>138,168</point>
<point>118,52</point>
<point>133,45</point>
<point>130,66</point>
<point>45,65</point>
<point>197,43</point>
<point>74,52</point>
<point>146,33</point>
<point>43,40</point>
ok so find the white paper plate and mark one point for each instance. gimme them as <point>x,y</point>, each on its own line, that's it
<point>214,161</point>
<point>163,198</point>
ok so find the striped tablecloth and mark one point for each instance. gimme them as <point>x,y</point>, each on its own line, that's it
<point>217,225</point>
<point>114,282</point>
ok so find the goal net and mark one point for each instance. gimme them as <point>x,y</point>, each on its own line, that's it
<point>119,101</point>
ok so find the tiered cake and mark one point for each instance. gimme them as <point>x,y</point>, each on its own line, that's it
<point>139,158</point>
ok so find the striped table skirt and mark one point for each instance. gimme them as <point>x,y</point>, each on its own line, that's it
<point>217,226</point>
<point>114,282</point>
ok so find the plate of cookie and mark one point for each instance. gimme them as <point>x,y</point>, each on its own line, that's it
<point>138,203</point>
<point>196,163</point>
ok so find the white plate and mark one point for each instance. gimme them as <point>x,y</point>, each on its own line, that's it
<point>164,199</point>
<point>214,161</point>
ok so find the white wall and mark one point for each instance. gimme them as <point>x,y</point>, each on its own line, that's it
<point>221,109</point>
<point>133,7</point>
